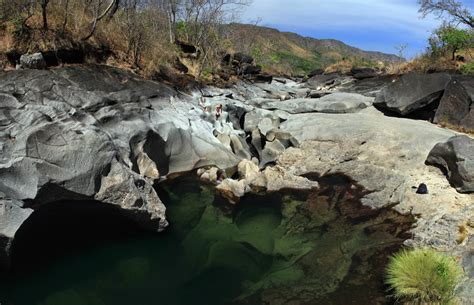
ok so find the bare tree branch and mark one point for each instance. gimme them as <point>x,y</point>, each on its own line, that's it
<point>112,8</point>
<point>452,8</point>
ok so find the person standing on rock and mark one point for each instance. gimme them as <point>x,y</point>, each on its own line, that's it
<point>218,111</point>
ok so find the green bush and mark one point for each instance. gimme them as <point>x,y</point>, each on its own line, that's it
<point>450,39</point>
<point>423,276</point>
<point>468,68</point>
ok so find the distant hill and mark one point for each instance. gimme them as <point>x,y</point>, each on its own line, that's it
<point>290,53</point>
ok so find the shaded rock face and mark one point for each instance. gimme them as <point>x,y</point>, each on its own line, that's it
<point>321,80</point>
<point>368,86</point>
<point>412,92</point>
<point>96,133</point>
<point>12,216</point>
<point>315,72</point>
<point>362,73</point>
<point>456,158</point>
<point>456,108</point>
<point>64,56</point>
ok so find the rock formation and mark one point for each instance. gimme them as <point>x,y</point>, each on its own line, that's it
<point>95,133</point>
<point>99,133</point>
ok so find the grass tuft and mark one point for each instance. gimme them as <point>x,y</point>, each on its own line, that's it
<point>423,276</point>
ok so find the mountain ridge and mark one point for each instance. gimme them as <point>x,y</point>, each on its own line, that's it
<point>272,47</point>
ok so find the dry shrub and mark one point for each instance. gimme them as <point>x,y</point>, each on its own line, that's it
<point>342,66</point>
<point>426,63</point>
<point>463,233</point>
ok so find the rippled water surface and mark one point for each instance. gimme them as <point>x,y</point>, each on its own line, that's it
<point>320,248</point>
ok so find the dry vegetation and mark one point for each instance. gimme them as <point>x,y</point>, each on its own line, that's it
<point>142,34</point>
<point>138,34</point>
<point>428,63</point>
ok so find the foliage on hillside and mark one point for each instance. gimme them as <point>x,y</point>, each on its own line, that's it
<point>450,49</point>
<point>289,53</point>
<point>141,35</point>
<point>451,46</point>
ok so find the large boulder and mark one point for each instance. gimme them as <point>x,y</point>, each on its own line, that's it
<point>412,92</point>
<point>456,108</point>
<point>32,61</point>
<point>368,86</point>
<point>456,158</point>
<point>251,69</point>
<point>361,73</point>
<point>242,58</point>
<point>315,72</point>
<point>323,80</point>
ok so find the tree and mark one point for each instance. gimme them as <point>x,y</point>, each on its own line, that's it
<point>18,11</point>
<point>203,20</point>
<point>455,39</point>
<point>109,11</point>
<point>44,13</point>
<point>454,9</point>
<point>401,49</point>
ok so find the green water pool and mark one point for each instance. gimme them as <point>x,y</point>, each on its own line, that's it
<point>273,249</point>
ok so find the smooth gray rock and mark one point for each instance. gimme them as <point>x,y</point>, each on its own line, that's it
<point>271,152</point>
<point>332,103</point>
<point>456,158</point>
<point>323,80</point>
<point>412,92</point>
<point>99,133</point>
<point>380,153</point>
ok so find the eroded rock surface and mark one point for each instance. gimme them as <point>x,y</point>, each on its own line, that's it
<point>97,133</point>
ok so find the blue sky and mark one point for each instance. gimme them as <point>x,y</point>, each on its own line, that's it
<point>377,25</point>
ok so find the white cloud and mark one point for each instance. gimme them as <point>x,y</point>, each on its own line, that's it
<point>390,15</point>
